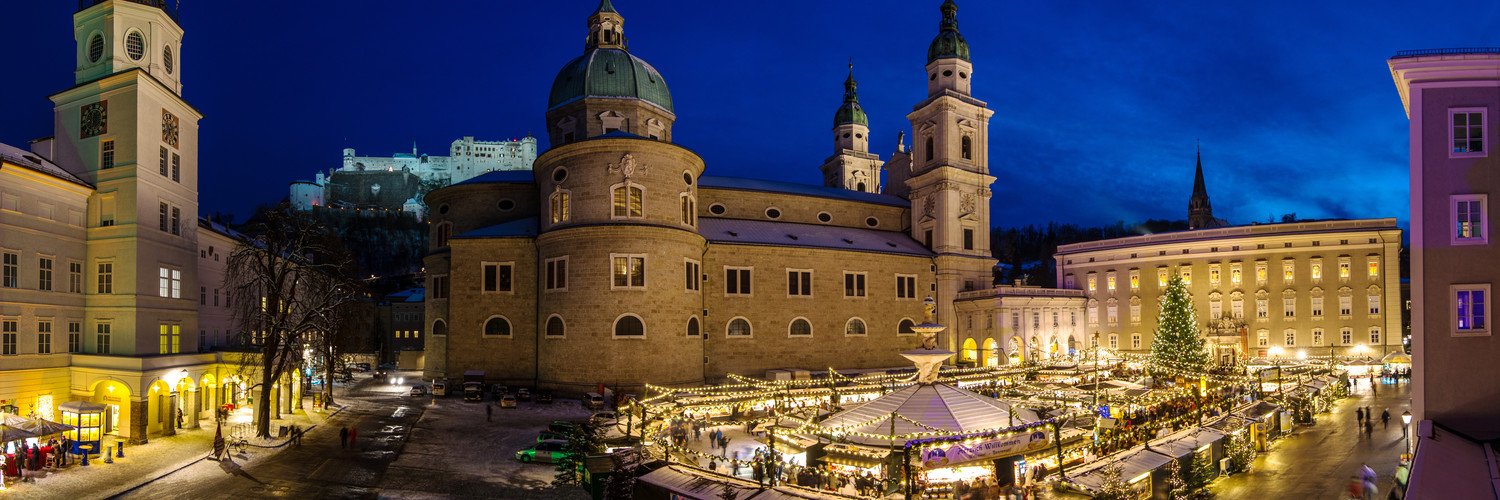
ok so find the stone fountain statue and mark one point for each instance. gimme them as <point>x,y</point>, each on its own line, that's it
<point>928,357</point>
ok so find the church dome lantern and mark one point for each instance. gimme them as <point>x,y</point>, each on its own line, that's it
<point>850,113</point>
<point>607,68</point>
<point>949,43</point>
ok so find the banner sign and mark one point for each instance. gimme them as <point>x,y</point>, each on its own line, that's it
<point>938,457</point>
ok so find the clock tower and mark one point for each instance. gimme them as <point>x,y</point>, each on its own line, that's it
<point>125,128</point>
<point>950,180</point>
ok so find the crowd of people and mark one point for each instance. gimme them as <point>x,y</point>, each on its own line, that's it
<point>30,459</point>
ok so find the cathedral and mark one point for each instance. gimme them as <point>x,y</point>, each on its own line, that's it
<point>620,259</point>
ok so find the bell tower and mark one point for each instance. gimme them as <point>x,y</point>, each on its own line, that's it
<point>852,166</point>
<point>949,176</point>
<point>1200,211</point>
<point>118,35</point>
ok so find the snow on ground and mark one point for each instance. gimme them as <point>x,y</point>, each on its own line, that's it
<point>142,463</point>
<point>454,450</point>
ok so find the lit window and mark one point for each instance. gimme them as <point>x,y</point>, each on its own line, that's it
<point>629,271</point>
<point>1187,275</point>
<point>1471,303</point>
<point>1288,270</point>
<point>1135,280</point>
<point>170,339</point>
<point>169,283</point>
<point>1213,275</point>
<point>561,207</point>
<point>1260,272</point>
<point>1373,263</point>
<point>1467,133</point>
<point>1470,218</point>
<point>1317,270</point>
<point>1234,274</point>
<point>1109,282</point>
<point>1345,268</point>
<point>1161,277</point>
<point>627,200</point>
<point>1093,283</point>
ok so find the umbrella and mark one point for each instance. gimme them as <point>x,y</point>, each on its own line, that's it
<point>9,433</point>
<point>37,426</point>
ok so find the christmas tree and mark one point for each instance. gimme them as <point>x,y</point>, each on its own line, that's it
<point>1177,346</point>
<point>1177,487</point>
<point>1113,486</point>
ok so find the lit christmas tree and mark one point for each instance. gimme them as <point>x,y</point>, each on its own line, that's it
<point>1177,345</point>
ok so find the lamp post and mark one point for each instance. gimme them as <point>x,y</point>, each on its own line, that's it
<point>1406,428</point>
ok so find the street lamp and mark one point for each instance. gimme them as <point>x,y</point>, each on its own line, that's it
<point>1406,428</point>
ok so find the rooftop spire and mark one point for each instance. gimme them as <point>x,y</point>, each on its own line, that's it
<point>850,111</point>
<point>849,85</point>
<point>605,6</point>
<point>606,28</point>
<point>1200,211</point>
<point>950,16</point>
<point>949,43</point>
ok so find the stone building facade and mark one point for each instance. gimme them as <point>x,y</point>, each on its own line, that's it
<point>618,260</point>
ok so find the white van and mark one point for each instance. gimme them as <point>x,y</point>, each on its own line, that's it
<point>594,401</point>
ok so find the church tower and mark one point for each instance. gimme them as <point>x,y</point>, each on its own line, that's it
<point>852,166</point>
<point>125,128</point>
<point>949,175</point>
<point>1200,211</point>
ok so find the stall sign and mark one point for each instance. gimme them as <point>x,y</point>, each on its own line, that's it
<point>1016,444</point>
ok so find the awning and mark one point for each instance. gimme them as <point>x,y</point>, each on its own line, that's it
<point>1184,442</point>
<point>1449,466</point>
<point>692,483</point>
<point>1256,411</point>
<point>37,426</point>
<point>1133,463</point>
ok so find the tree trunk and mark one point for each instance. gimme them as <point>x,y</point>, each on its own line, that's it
<point>263,400</point>
<point>328,377</point>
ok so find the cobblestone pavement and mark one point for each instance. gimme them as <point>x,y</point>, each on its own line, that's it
<point>1316,462</point>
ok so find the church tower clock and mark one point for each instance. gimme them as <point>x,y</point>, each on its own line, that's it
<point>950,180</point>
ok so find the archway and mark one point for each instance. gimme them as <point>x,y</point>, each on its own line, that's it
<point>158,404</point>
<point>209,397</point>
<point>991,352</point>
<point>969,351</point>
<point>115,396</point>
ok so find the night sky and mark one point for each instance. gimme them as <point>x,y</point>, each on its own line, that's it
<point>1098,104</point>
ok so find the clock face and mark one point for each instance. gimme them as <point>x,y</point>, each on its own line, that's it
<point>168,128</point>
<point>93,119</point>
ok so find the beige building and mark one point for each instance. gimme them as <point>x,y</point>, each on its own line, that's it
<point>1313,288</point>
<point>107,277</point>
<point>1450,98</point>
<point>618,261</point>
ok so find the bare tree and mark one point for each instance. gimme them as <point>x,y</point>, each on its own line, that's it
<point>292,282</point>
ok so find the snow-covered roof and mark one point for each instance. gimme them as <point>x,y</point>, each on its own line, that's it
<point>416,294</point>
<point>939,406</point>
<point>519,228</point>
<point>790,234</point>
<point>33,161</point>
<point>501,177</point>
<point>768,186</point>
<point>1132,463</point>
<point>1184,442</point>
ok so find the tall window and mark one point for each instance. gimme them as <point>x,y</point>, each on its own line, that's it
<point>12,270</point>
<point>1467,132</point>
<point>929,148</point>
<point>1113,312</point>
<point>1109,281</point>
<point>1289,307</point>
<point>1345,269</point>
<point>107,154</point>
<point>689,213</point>
<point>561,206</point>
<point>1470,218</point>
<point>169,283</point>
<point>1214,277</point>
<point>1374,303</point>
<point>737,280</point>
<point>1135,341</point>
<point>497,277</point>
<point>164,213</point>
<point>738,327</point>
<point>1260,273</point>
<point>1317,336</point>
<point>105,275</point>
<point>799,282</point>
<point>557,273</point>
<point>444,231</point>
<point>854,284</point>
<point>692,275</point>
<point>1135,310</point>
<point>1346,305</point>
<point>1316,268</point>
<point>8,337</point>
<point>629,271</point>
<point>967,146</point>
<point>75,277</point>
<point>906,286</point>
<point>176,167</point>
<point>1317,307</point>
<point>855,326</point>
<point>176,221</point>
<point>1235,272</point>
<point>968,239</point>
<point>1187,275</point>
<point>1375,335</point>
<point>162,161</point>
<point>1237,306</point>
<point>439,288</point>
<point>75,337</point>
<point>1161,277</point>
<point>1373,264</point>
<point>627,200</point>
<point>171,339</point>
<point>1262,308</point>
<point>44,337</point>
<point>693,329</point>
<point>101,338</point>
<point>1114,341</point>
<point>1093,282</point>
<point>1346,336</point>
<point>1262,337</point>
<point>1291,337</point>
<point>1092,311</point>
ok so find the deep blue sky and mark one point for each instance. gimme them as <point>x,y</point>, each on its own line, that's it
<point>1098,104</point>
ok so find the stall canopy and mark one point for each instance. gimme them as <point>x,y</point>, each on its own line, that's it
<point>8,433</point>
<point>1255,411</point>
<point>687,482</point>
<point>1133,463</point>
<point>1228,424</point>
<point>935,406</point>
<point>36,426</point>
<point>1184,442</point>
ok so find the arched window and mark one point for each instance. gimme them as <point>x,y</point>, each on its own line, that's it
<point>905,327</point>
<point>555,326</point>
<point>929,148</point>
<point>800,327</point>
<point>444,231</point>
<point>692,327</point>
<point>859,187</point>
<point>439,327</point>
<point>738,327</point>
<point>562,209</point>
<point>968,148</point>
<point>629,325</point>
<point>627,200</point>
<point>689,209</point>
<point>497,325</point>
<point>855,326</point>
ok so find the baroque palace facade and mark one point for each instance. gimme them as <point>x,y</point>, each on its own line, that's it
<point>617,260</point>
<point>111,283</point>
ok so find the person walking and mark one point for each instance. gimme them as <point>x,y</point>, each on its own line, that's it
<point>1369,427</point>
<point>1359,415</point>
<point>713,465</point>
<point>1385,418</point>
<point>343,437</point>
<point>488,412</point>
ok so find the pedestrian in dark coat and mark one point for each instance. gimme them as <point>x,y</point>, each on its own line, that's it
<point>343,437</point>
<point>1359,415</point>
<point>1385,418</point>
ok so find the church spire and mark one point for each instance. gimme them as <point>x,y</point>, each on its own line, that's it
<point>850,112</point>
<point>606,28</point>
<point>1200,211</point>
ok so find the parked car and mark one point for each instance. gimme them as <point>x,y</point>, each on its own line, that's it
<point>565,426</point>
<point>544,452</point>
<point>380,375</point>
<point>507,401</point>
<point>544,397</point>
<point>440,388</point>
<point>594,401</point>
<point>551,436</point>
<point>387,366</point>
<point>364,367</point>
<point>604,418</point>
<point>473,391</point>
<point>523,394</point>
<point>418,390</point>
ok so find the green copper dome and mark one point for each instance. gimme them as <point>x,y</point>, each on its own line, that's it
<point>850,112</point>
<point>609,72</point>
<point>949,43</point>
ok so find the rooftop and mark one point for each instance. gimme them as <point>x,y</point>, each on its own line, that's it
<point>791,234</point>
<point>519,228</point>
<point>1232,232</point>
<point>1464,51</point>
<point>768,186</point>
<point>501,177</point>
<point>32,161</point>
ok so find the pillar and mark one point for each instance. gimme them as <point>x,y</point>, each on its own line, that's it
<point>169,428</point>
<point>196,409</point>
<point>138,421</point>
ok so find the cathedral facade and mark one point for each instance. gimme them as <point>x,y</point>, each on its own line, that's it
<point>620,259</point>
